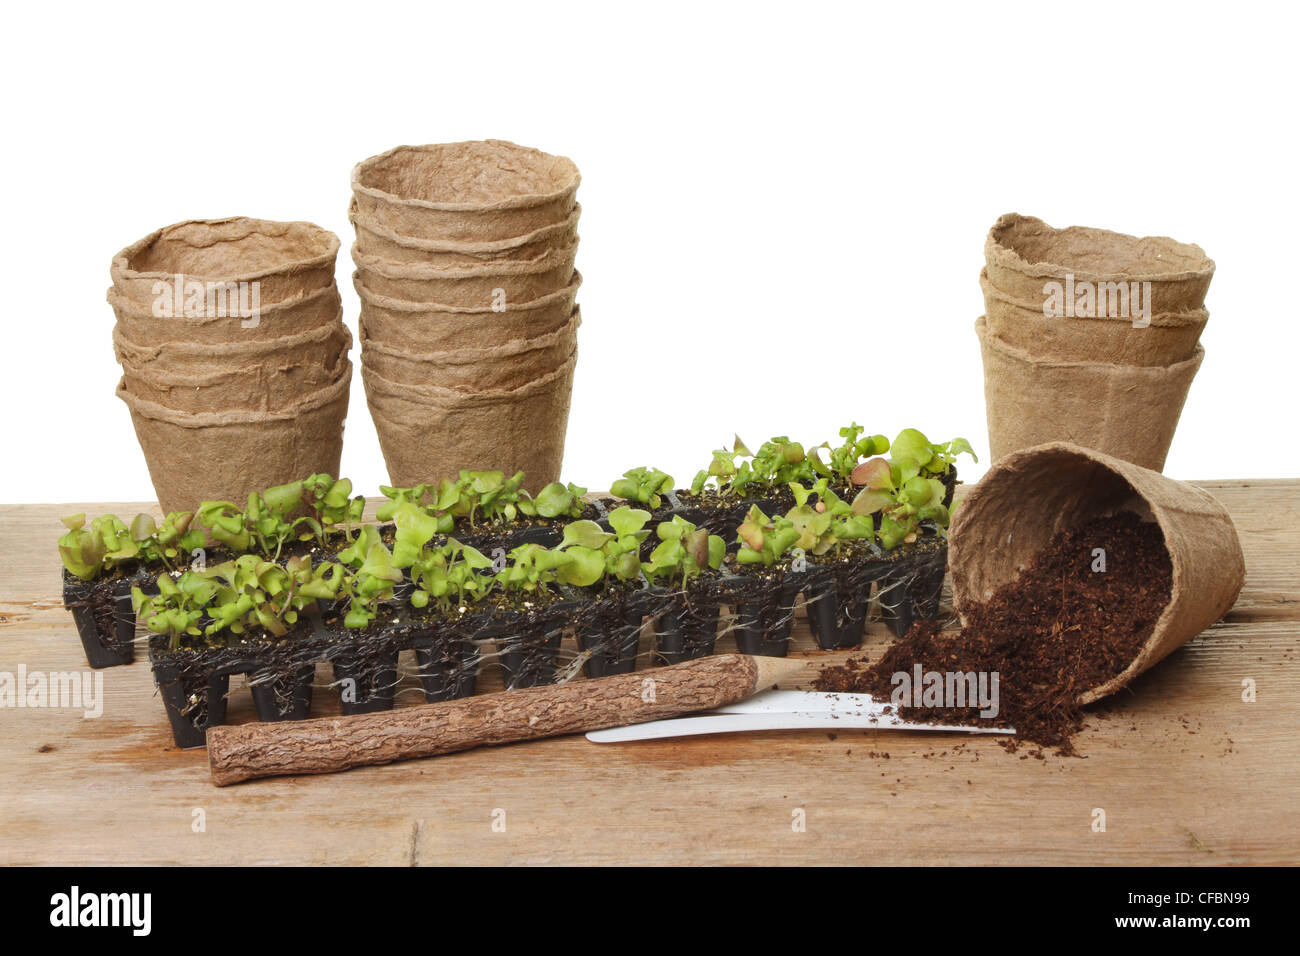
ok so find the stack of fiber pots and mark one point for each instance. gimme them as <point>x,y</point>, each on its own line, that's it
<point>465,269</point>
<point>1089,336</point>
<point>234,355</point>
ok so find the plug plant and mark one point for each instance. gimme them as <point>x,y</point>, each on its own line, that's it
<point>765,540</point>
<point>913,454</point>
<point>330,506</point>
<point>824,525</point>
<point>88,552</point>
<point>901,497</point>
<point>531,569</point>
<point>855,447</point>
<point>684,552</point>
<point>556,500</point>
<point>643,486</point>
<point>597,555</point>
<point>179,607</point>
<point>370,580</point>
<point>449,575</point>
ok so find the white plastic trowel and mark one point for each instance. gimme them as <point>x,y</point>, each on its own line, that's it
<point>785,710</point>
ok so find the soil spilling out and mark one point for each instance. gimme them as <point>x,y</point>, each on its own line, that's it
<point>1062,627</point>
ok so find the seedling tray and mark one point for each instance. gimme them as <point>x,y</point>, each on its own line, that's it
<point>194,679</point>
<point>107,626</point>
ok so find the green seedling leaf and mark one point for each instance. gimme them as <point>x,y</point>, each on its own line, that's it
<point>585,534</point>
<point>874,475</point>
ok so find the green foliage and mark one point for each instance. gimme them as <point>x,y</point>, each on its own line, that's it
<point>722,470</point>
<point>901,502</point>
<point>595,554</point>
<point>913,454</point>
<point>226,525</point>
<point>765,540</point>
<point>644,486</point>
<point>330,505</point>
<point>532,568</point>
<point>179,607</point>
<point>414,528</point>
<point>89,552</point>
<point>245,594</point>
<point>449,575</point>
<point>855,447</point>
<point>371,580</point>
<point>556,500</point>
<point>684,551</point>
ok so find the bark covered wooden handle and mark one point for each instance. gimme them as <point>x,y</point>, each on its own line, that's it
<point>329,744</point>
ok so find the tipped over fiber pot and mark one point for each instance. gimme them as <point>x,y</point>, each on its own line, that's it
<point>1029,496</point>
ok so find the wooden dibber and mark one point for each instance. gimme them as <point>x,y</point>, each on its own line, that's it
<point>330,744</point>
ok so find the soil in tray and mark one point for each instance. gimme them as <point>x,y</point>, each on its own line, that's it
<point>1056,631</point>
<point>101,609</point>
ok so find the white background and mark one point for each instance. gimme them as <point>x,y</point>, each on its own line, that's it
<point>784,207</point>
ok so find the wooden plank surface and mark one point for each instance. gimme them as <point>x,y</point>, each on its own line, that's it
<point>1186,772</point>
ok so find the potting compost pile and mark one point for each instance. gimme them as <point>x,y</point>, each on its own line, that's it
<point>1066,625</point>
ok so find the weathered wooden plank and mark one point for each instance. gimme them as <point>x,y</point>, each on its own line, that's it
<point>1184,769</point>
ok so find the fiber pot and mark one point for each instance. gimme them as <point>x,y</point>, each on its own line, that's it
<point>223,455</point>
<point>428,433</point>
<point>1168,339</point>
<point>479,191</point>
<point>1023,254</point>
<point>258,375</point>
<point>306,313</point>
<point>286,259</point>
<point>425,327</point>
<point>1026,498</point>
<point>1126,411</point>
<point>375,240</point>
<point>510,365</point>
<point>475,287</point>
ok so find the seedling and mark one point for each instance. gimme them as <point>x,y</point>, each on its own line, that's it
<point>371,581</point>
<point>331,505</point>
<point>902,502</point>
<point>644,486</point>
<point>556,500</point>
<point>684,551</point>
<point>108,543</point>
<point>765,540</point>
<point>532,568</point>
<point>596,554</point>
<point>449,576</point>
<point>913,454</point>
<point>855,447</point>
<point>178,608</point>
